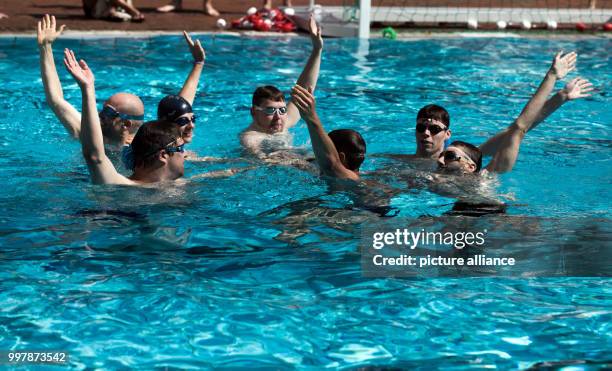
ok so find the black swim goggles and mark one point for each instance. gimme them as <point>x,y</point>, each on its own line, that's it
<point>450,156</point>
<point>182,121</point>
<point>169,149</point>
<point>433,129</point>
<point>270,111</point>
<point>111,113</point>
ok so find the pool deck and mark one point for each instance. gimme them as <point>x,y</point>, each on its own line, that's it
<point>23,15</point>
<point>376,34</point>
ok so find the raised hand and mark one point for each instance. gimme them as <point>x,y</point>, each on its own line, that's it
<point>315,33</point>
<point>563,64</point>
<point>80,71</point>
<point>305,102</point>
<point>199,55</point>
<point>577,88</point>
<point>46,32</point>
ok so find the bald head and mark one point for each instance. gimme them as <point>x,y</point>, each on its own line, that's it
<point>126,103</point>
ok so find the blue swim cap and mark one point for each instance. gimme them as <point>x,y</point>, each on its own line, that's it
<point>172,107</point>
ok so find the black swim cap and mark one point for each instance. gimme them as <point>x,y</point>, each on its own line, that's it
<point>172,107</point>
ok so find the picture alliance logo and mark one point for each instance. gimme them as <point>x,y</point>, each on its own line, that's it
<point>411,239</point>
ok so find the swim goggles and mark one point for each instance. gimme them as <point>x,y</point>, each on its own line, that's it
<point>182,121</point>
<point>168,148</point>
<point>109,112</point>
<point>270,111</point>
<point>433,129</point>
<point>450,156</point>
<point>174,149</point>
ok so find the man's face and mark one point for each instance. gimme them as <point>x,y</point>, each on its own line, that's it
<point>455,161</point>
<point>117,127</point>
<point>121,131</point>
<point>187,124</point>
<point>270,116</point>
<point>430,136</point>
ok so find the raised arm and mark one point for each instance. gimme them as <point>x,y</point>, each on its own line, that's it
<point>199,56</point>
<point>576,88</point>
<point>64,111</point>
<point>310,74</point>
<point>508,142</point>
<point>324,149</point>
<point>100,167</point>
<point>533,112</point>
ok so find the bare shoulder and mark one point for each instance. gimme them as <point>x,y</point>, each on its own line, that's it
<point>249,135</point>
<point>250,138</point>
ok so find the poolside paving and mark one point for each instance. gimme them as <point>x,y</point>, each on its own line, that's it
<point>23,14</point>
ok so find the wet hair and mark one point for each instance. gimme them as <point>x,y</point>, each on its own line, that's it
<point>172,107</point>
<point>350,143</point>
<point>150,138</point>
<point>471,151</point>
<point>434,112</point>
<point>267,92</point>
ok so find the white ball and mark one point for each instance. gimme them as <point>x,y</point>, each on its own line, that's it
<point>525,24</point>
<point>472,24</point>
<point>268,22</point>
<point>252,10</point>
<point>551,25</point>
<point>221,23</point>
<point>290,12</point>
<point>502,25</point>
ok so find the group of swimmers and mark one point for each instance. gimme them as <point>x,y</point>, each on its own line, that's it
<point>155,150</point>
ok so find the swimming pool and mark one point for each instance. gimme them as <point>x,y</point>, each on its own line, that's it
<point>229,273</point>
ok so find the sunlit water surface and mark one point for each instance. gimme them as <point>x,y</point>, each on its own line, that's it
<point>226,273</point>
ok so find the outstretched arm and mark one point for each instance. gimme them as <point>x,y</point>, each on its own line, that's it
<point>576,88</point>
<point>310,74</point>
<point>508,142</point>
<point>100,167</point>
<point>199,56</point>
<point>64,111</point>
<point>324,149</point>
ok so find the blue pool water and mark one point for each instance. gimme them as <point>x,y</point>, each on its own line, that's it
<point>241,272</point>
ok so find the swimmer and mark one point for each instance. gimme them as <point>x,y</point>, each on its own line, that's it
<point>157,146</point>
<point>209,9</point>
<point>272,116</point>
<point>432,130</point>
<point>178,108</point>
<point>123,113</point>
<point>339,153</point>
<point>174,109</point>
<point>463,158</point>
